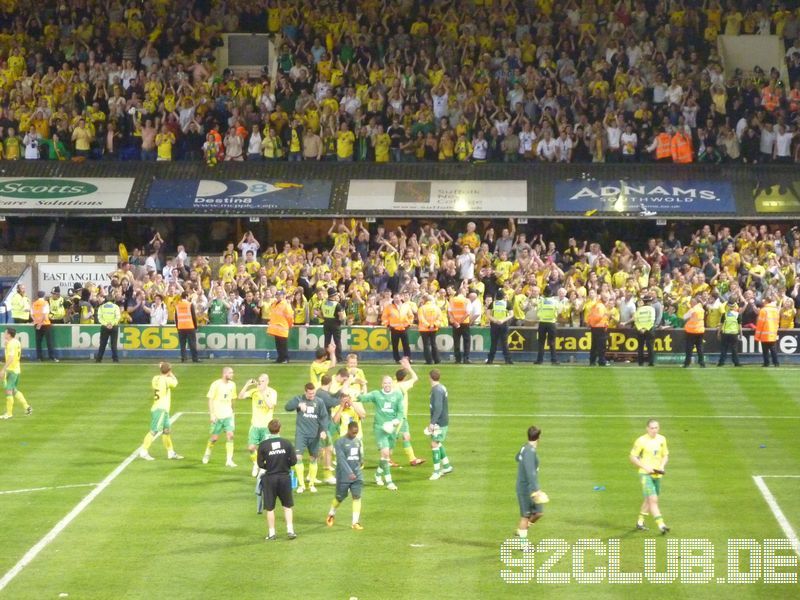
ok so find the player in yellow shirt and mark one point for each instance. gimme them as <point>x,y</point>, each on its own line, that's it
<point>324,361</point>
<point>357,377</point>
<point>264,399</point>
<point>162,385</point>
<point>11,370</point>
<point>650,455</point>
<point>405,378</point>
<point>220,411</point>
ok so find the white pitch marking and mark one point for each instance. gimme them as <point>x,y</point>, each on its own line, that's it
<point>71,516</point>
<point>534,414</point>
<point>788,530</point>
<point>42,489</point>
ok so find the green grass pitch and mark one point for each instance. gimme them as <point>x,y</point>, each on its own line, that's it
<point>180,529</point>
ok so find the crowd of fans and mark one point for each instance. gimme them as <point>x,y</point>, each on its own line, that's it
<point>400,80</point>
<point>369,268</point>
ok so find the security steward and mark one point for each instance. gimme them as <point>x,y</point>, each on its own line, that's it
<point>108,316</point>
<point>281,319</point>
<point>20,305</point>
<point>548,313</point>
<point>458,312</point>
<point>767,330</point>
<point>695,326</point>
<point>729,331</point>
<point>276,456</point>
<point>597,320</point>
<point>40,311</point>
<point>397,317</point>
<point>498,327</point>
<point>333,314</point>
<point>186,321</point>
<point>644,321</point>
<point>429,316</point>
<point>57,309</point>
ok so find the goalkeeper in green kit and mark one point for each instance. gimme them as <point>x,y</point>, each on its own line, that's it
<point>530,497</point>
<point>388,419</point>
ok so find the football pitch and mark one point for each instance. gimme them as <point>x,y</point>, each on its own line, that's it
<point>82,516</point>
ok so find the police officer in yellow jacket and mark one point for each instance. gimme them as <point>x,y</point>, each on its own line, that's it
<point>20,305</point>
<point>548,313</point>
<point>499,316</point>
<point>108,316</point>
<point>57,308</point>
<point>729,331</point>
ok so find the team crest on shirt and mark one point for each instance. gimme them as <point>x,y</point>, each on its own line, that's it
<point>387,406</point>
<point>276,445</point>
<point>354,451</point>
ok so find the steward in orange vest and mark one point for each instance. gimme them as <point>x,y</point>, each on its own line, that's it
<point>767,330</point>
<point>429,315</point>
<point>40,313</point>
<point>458,311</point>
<point>397,317</point>
<point>663,150</point>
<point>186,322</point>
<point>681,148</point>
<point>597,319</point>
<point>695,327</point>
<point>281,319</point>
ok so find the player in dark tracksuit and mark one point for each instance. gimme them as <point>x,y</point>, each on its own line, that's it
<point>311,427</point>
<point>349,478</point>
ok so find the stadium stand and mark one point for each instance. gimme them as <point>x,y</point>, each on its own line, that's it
<point>369,266</point>
<point>479,80</point>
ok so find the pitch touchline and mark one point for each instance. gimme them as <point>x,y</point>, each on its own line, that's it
<point>566,416</point>
<point>63,523</point>
<point>788,530</point>
<point>42,489</point>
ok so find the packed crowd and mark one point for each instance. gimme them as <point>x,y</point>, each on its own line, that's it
<point>448,80</point>
<point>369,268</point>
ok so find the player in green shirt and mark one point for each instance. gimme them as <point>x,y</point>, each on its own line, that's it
<point>437,429</point>
<point>162,385</point>
<point>529,495</point>
<point>388,420</point>
<point>311,427</point>
<point>349,477</point>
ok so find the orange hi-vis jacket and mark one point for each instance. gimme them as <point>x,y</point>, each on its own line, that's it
<point>396,317</point>
<point>681,149</point>
<point>429,316</point>
<point>281,318</point>
<point>767,324</point>
<point>695,320</point>
<point>770,99</point>
<point>183,315</point>
<point>663,145</point>
<point>38,311</point>
<point>598,315</point>
<point>458,309</point>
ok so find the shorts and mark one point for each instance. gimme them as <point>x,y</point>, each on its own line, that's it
<point>277,487</point>
<point>11,382</point>
<point>384,440</point>
<point>257,435</point>
<point>333,430</point>
<point>354,487</point>
<point>301,444</point>
<point>441,436</point>
<point>221,425</point>
<point>159,420</point>
<point>527,506</point>
<point>651,486</point>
